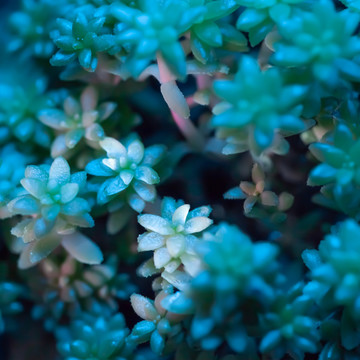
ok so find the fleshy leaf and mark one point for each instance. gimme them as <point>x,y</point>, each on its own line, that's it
<point>82,248</point>
<point>155,223</point>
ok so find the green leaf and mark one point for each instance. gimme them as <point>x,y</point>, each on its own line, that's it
<point>209,33</point>
<point>321,175</point>
<point>142,331</point>
<point>343,138</point>
<point>174,57</point>
<point>328,154</point>
<point>157,343</point>
<point>250,18</point>
<point>43,247</point>
<point>62,59</point>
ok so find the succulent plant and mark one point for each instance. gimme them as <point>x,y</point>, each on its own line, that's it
<point>339,159</point>
<point>77,121</point>
<point>53,210</point>
<point>31,26</point>
<point>155,26</point>
<point>334,278</point>
<point>171,237</point>
<point>161,327</point>
<point>97,338</point>
<point>19,105</point>
<point>81,39</point>
<point>128,170</point>
<point>260,17</point>
<point>237,272</point>
<point>67,287</point>
<point>291,325</point>
<point>261,203</point>
<point>259,111</point>
<point>87,87</point>
<point>323,41</point>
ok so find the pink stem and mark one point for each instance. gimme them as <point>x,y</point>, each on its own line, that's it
<point>187,128</point>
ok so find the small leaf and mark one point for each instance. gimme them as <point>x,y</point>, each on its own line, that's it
<point>321,175</point>
<point>178,303</point>
<point>234,194</point>
<point>115,186</point>
<point>153,154</point>
<point>192,264</point>
<point>157,343</point>
<point>24,205</point>
<point>97,168</point>
<point>77,206</point>
<point>150,241</point>
<point>180,215</point>
<point>54,118</point>
<point>89,99</point>
<point>311,258</point>
<point>143,307</point>
<point>161,257</point>
<point>142,331</point>
<point>270,341</point>
<point>34,187</point>
<point>145,191</point>
<point>135,151</point>
<point>82,248</point>
<point>43,247</point>
<point>269,198</point>
<point>176,245</point>
<point>209,33</point>
<point>249,204</point>
<point>68,192</point>
<point>61,58</point>
<point>328,154</point>
<point>200,211</point>
<point>136,203</point>
<point>146,174</point>
<point>73,137</point>
<point>155,223</point>
<point>197,224</point>
<point>113,148</point>
<point>60,171</point>
<point>58,147</point>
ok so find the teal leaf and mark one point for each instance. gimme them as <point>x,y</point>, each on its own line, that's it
<point>24,205</point>
<point>97,168</point>
<point>311,259</point>
<point>77,206</point>
<point>68,192</point>
<point>147,174</point>
<point>114,186</point>
<point>145,191</point>
<point>209,33</point>
<point>157,343</point>
<point>135,151</point>
<point>60,171</point>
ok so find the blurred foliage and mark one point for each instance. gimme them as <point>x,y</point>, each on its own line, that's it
<point>111,110</point>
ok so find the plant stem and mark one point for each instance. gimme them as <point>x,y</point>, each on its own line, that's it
<point>185,125</point>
